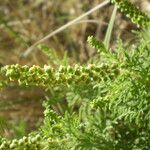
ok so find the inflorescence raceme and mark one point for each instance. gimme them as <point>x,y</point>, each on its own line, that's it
<point>132,12</point>
<point>49,76</point>
<point>28,142</point>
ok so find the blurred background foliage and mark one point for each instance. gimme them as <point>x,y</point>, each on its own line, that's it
<point>23,22</point>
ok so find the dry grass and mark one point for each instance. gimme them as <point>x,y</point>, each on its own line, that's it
<point>25,22</point>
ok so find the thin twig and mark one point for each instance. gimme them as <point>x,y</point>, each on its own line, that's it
<point>92,21</point>
<point>30,49</point>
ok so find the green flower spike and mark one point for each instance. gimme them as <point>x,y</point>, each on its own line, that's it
<point>132,12</point>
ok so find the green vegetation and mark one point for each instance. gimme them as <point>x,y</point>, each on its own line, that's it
<point>107,100</point>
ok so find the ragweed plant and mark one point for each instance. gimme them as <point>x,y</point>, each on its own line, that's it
<point>107,102</point>
<point>132,12</point>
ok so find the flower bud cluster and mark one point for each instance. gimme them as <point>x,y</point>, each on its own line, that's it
<point>132,12</point>
<point>29,142</point>
<point>49,76</point>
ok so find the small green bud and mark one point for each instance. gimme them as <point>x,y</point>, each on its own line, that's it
<point>97,69</point>
<point>38,137</point>
<point>83,77</point>
<point>95,78</point>
<point>69,69</point>
<point>88,80</point>
<point>13,145</point>
<point>25,139</point>
<point>91,74</point>
<point>62,69</point>
<point>69,80</point>
<point>77,72</point>
<point>20,142</point>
